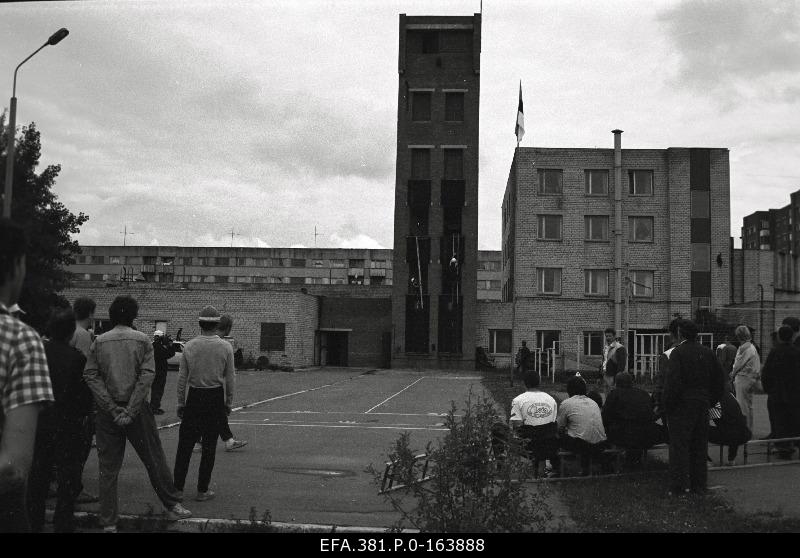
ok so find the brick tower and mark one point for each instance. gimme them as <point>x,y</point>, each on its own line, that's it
<point>436,192</point>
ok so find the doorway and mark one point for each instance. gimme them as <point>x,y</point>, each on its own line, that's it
<point>333,349</point>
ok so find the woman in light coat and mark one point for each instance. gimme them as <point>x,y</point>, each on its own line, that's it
<point>746,373</point>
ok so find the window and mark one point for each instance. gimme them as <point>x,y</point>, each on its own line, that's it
<point>146,260</point>
<point>490,266</point>
<point>420,164</point>
<point>97,260</point>
<point>298,262</point>
<point>700,202</point>
<point>549,279</point>
<point>81,259</point>
<point>640,229</point>
<point>244,279</point>
<point>593,343</point>
<point>114,260</point>
<point>377,280</point>
<point>338,263</point>
<point>276,280</point>
<point>550,181</point>
<point>355,279</point>
<point>430,42</point>
<point>596,281</point>
<point>166,277</point>
<point>167,260</point>
<point>297,280</point>
<point>273,337</point>
<point>548,339</point>
<point>199,261</point>
<point>493,284</point>
<point>454,164</point>
<point>500,341</point>
<point>701,257</point>
<point>454,106</point>
<point>241,261</point>
<point>338,281</point>
<point>455,41</point>
<point>318,263</point>
<point>357,263</point>
<point>550,227</point>
<point>596,227</point>
<point>378,264</point>
<point>642,283</point>
<point>596,182</point>
<point>221,261</point>
<point>421,106</point>
<point>640,182</point>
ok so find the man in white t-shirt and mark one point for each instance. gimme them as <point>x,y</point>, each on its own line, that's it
<point>533,417</point>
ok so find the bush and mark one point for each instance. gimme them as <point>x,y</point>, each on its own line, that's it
<point>262,363</point>
<point>469,490</point>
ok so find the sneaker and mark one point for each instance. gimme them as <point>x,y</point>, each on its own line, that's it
<point>203,496</point>
<point>177,512</point>
<point>110,529</point>
<point>197,448</point>
<point>234,444</point>
<point>86,498</point>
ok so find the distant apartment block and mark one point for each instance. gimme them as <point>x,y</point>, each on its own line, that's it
<point>774,229</point>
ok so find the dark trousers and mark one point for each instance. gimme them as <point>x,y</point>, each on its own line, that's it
<point>111,442</point>
<point>688,446</point>
<point>13,512</point>
<point>62,447</point>
<point>85,449</point>
<point>202,420</point>
<point>157,389</point>
<point>583,449</point>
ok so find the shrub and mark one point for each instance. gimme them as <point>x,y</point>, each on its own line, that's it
<point>469,491</point>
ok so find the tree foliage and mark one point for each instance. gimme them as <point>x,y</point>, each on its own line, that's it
<point>48,223</point>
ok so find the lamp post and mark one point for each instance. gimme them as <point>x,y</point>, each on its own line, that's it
<point>54,39</point>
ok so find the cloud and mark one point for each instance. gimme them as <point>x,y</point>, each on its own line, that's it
<point>357,241</point>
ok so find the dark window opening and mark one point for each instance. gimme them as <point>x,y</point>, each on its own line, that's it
<point>418,220</point>
<point>452,219</point>
<point>454,164</point>
<point>417,323</point>
<point>273,337</point>
<point>450,322</point>
<point>430,42</point>
<point>421,106</point>
<point>420,164</point>
<point>419,193</point>
<point>454,106</point>
<point>453,193</point>
<point>455,41</point>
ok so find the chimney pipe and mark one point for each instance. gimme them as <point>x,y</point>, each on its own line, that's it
<point>618,232</point>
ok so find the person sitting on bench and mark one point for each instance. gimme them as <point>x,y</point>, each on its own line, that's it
<point>580,424</point>
<point>533,417</point>
<point>629,419</point>
<point>728,426</point>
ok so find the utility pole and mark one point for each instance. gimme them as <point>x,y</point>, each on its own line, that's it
<point>316,234</point>
<point>232,235</point>
<point>125,234</point>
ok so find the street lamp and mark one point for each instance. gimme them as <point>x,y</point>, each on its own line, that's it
<point>54,39</point>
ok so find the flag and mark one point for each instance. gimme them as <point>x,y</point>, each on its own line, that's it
<point>519,129</point>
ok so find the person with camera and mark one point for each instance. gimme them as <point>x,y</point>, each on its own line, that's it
<point>162,352</point>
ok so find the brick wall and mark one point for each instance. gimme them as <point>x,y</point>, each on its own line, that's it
<point>180,308</point>
<point>369,319</point>
<point>493,315</point>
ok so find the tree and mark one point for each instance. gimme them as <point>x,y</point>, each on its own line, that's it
<point>48,223</point>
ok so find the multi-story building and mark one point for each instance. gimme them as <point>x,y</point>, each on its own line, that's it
<point>596,238</point>
<point>774,229</point>
<point>434,294</point>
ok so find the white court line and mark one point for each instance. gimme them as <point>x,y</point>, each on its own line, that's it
<point>339,426</point>
<point>442,415</point>
<point>345,422</point>
<point>395,395</point>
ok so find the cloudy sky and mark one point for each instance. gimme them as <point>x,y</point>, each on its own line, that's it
<point>183,121</point>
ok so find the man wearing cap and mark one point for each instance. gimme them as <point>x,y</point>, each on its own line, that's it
<point>205,395</point>
<point>162,352</point>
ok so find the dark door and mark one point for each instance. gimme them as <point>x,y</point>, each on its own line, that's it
<point>386,349</point>
<point>337,348</point>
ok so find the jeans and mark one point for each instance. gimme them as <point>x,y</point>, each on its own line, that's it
<point>143,436</point>
<point>687,424</point>
<point>202,419</point>
<point>744,395</point>
<point>62,447</point>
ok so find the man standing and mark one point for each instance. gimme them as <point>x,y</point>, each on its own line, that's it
<point>119,372</point>
<point>207,370</point>
<point>162,352</point>
<point>24,383</point>
<point>84,308</point>
<point>523,358</point>
<point>615,358</point>
<point>61,430</point>
<point>694,382</point>
<point>781,380</point>
<point>663,364</point>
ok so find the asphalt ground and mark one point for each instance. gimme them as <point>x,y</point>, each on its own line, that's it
<point>311,434</point>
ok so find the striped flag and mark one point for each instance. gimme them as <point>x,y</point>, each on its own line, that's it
<point>519,129</point>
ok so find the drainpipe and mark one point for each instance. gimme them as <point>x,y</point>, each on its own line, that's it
<point>618,230</point>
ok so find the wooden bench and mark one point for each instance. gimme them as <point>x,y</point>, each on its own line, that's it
<point>393,472</point>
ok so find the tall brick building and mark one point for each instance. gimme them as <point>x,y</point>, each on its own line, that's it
<point>774,229</point>
<point>436,192</point>
<point>629,238</point>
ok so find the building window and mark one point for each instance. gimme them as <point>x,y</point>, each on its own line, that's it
<point>420,164</point>
<point>550,227</point>
<point>430,42</point>
<point>338,281</point>
<point>596,182</point>
<point>244,279</point>
<point>276,280</point>
<point>114,260</point>
<point>642,283</point>
<point>97,260</point>
<point>640,229</point>
<point>167,260</point>
<point>318,263</point>
<point>377,280</point>
<point>700,204</point>
<point>221,261</point>
<point>421,106</point>
<point>149,260</point>
<point>297,280</point>
<point>273,337</point>
<point>379,264</point>
<point>357,263</point>
<point>500,341</point>
<point>596,227</point>
<point>241,261</point>
<point>298,262</point>
<point>549,339</point>
<point>640,182</point>
<point>701,257</point>
<point>454,164</point>
<point>81,259</point>
<point>493,284</point>
<point>355,279</point>
<point>549,280</point>
<point>550,181</point>
<point>593,343</point>
<point>454,107</point>
<point>339,263</point>
<point>490,266</point>
<point>596,282</point>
